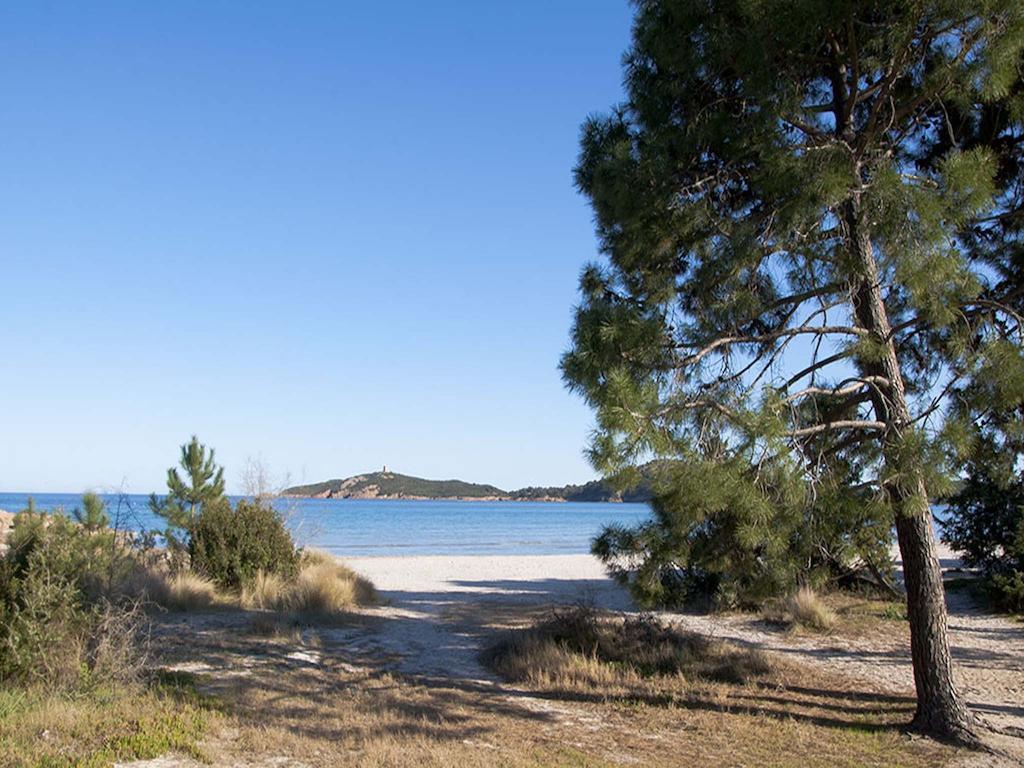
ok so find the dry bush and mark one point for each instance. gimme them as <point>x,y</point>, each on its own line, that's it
<point>70,647</point>
<point>579,648</point>
<point>118,646</point>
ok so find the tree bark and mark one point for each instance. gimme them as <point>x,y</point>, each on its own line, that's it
<point>941,712</point>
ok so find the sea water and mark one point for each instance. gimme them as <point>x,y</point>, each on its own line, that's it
<point>360,527</point>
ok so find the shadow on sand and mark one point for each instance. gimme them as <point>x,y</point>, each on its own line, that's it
<point>412,668</point>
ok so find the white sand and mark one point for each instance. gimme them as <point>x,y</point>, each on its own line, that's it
<point>540,578</point>
<point>427,597</point>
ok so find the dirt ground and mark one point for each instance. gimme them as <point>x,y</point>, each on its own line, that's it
<point>402,684</point>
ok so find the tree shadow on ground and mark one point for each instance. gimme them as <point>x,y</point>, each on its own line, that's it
<point>412,669</point>
<point>354,683</point>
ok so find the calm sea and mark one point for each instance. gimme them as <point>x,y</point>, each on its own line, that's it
<point>371,527</point>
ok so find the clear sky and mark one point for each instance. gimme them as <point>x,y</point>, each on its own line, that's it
<point>333,235</point>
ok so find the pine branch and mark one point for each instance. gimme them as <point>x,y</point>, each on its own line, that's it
<point>800,298</point>
<point>827,426</point>
<point>825,330</point>
<point>839,390</point>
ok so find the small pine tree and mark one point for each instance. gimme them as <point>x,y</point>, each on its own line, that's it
<point>92,515</point>
<point>202,484</point>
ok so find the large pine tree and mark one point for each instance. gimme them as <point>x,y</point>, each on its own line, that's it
<point>797,280</point>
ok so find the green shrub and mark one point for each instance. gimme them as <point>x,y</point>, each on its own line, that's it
<point>1007,590</point>
<point>44,628</point>
<point>986,524</point>
<point>57,624</point>
<point>88,553</point>
<point>231,546</point>
<point>729,534</point>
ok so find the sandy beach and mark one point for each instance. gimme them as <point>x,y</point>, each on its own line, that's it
<point>543,578</point>
<point>442,598</point>
<point>519,578</point>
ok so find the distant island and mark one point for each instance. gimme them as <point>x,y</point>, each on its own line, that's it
<point>392,485</point>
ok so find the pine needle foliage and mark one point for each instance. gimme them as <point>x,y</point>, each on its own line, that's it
<point>801,206</point>
<point>200,482</point>
<point>985,516</point>
<point>92,515</point>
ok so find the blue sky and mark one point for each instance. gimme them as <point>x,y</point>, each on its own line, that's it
<point>333,235</point>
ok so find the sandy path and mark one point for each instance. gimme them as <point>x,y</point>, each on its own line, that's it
<point>425,593</point>
<point>423,626</point>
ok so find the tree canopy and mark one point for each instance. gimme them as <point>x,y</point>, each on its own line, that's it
<point>805,209</point>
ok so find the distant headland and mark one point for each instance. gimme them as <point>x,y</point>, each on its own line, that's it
<point>392,485</point>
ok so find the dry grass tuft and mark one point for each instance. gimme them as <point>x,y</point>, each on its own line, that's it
<point>267,592</point>
<point>579,649</point>
<point>184,591</point>
<point>317,557</point>
<point>323,588</point>
<point>326,587</point>
<point>806,609</point>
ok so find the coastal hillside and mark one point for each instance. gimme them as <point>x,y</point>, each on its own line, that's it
<point>392,485</point>
<point>595,490</point>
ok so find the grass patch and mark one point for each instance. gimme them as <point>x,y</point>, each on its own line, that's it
<point>184,591</point>
<point>976,587</point>
<point>842,613</point>
<point>102,726</point>
<point>806,609</point>
<point>713,702</point>
<point>323,588</point>
<point>580,649</point>
<point>638,710</point>
<point>275,626</point>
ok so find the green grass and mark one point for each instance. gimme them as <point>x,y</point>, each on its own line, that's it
<point>105,725</point>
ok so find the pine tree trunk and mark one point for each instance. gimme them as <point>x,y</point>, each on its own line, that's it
<point>941,711</point>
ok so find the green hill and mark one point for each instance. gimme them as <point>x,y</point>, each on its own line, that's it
<point>595,490</point>
<point>391,485</point>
